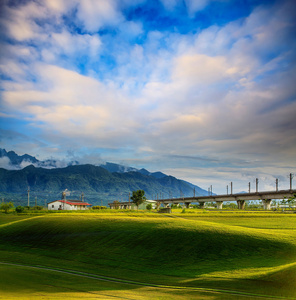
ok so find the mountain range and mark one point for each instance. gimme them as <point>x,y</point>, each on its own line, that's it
<point>99,184</point>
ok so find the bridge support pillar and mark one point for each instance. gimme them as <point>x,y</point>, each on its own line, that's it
<point>241,204</point>
<point>187,204</point>
<point>201,204</point>
<point>166,205</point>
<point>219,204</point>
<point>266,204</point>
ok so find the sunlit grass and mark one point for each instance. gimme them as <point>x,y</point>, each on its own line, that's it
<point>198,250</point>
<point>8,218</point>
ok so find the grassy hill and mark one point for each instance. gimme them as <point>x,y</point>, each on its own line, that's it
<point>232,253</point>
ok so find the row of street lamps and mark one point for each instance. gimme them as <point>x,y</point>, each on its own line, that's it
<point>210,189</point>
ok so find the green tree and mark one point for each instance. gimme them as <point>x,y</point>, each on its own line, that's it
<point>19,209</point>
<point>138,197</point>
<point>149,206</point>
<point>6,206</point>
<point>291,201</point>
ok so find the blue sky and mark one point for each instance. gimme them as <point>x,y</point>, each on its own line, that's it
<point>203,90</point>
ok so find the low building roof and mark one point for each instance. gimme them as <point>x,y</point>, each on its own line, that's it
<point>71,202</point>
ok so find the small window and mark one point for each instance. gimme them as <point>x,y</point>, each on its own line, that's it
<point>52,206</point>
<point>60,206</point>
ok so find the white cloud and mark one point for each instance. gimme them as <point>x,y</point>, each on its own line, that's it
<point>20,21</point>
<point>59,7</point>
<point>196,5</point>
<point>170,4</point>
<point>5,163</point>
<point>65,43</point>
<point>75,106</point>
<point>97,13</point>
<point>196,69</point>
<point>224,91</point>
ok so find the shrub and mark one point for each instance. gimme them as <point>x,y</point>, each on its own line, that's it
<point>6,206</point>
<point>149,206</point>
<point>19,209</point>
<point>38,207</point>
<point>98,207</point>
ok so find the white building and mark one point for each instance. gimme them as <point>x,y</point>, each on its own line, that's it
<point>67,205</point>
<point>131,205</point>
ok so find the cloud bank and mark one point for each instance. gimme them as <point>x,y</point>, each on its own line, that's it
<point>164,85</point>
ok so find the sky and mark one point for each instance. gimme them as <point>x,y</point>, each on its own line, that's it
<point>204,90</point>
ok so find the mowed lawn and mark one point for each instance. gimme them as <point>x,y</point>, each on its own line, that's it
<point>177,256</point>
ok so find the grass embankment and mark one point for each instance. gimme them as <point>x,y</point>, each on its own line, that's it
<point>248,253</point>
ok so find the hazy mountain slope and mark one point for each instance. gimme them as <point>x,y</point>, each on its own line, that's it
<point>96,183</point>
<point>16,159</point>
<point>100,184</point>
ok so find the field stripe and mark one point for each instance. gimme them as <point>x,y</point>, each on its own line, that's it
<point>22,220</point>
<point>130,282</point>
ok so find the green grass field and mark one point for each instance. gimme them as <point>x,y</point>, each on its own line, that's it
<point>212,255</point>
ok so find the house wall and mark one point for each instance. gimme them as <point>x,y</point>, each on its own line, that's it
<point>54,205</point>
<point>64,206</point>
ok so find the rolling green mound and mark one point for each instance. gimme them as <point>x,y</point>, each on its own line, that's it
<point>285,276</point>
<point>158,249</point>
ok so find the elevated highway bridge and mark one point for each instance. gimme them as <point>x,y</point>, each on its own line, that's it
<point>240,199</point>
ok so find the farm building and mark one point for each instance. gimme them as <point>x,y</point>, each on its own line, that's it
<point>67,205</point>
<point>131,205</point>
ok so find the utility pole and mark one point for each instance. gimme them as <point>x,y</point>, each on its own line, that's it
<point>227,189</point>
<point>249,187</point>
<point>291,177</point>
<point>194,192</point>
<point>211,190</point>
<point>231,188</point>
<point>257,181</point>
<point>82,197</point>
<point>28,196</point>
<point>276,184</point>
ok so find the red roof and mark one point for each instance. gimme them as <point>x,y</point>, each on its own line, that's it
<point>72,202</point>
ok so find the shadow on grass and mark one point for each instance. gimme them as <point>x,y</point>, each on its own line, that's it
<point>29,283</point>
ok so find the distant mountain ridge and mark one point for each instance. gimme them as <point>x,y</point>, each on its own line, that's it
<point>20,161</point>
<point>16,159</point>
<point>112,167</point>
<point>99,184</point>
